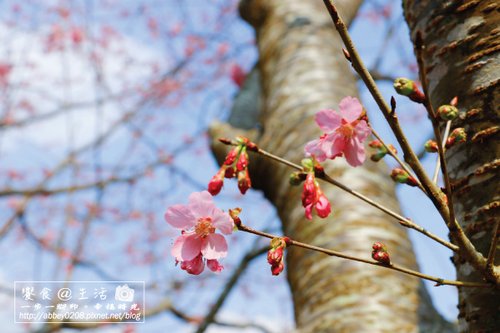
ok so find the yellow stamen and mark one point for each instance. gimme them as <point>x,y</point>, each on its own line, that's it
<point>204,227</point>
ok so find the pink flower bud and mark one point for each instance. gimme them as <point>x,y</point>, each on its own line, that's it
<point>275,256</point>
<point>382,257</point>
<point>244,182</point>
<point>217,181</point>
<point>323,206</point>
<point>229,173</point>
<point>277,269</point>
<point>377,246</point>
<point>231,156</point>
<point>242,163</point>
<point>309,191</point>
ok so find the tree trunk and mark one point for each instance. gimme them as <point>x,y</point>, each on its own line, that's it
<point>302,70</point>
<point>461,58</point>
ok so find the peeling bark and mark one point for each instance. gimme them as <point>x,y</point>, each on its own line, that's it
<point>462,44</point>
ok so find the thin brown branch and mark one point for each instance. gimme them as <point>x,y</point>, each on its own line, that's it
<point>402,269</point>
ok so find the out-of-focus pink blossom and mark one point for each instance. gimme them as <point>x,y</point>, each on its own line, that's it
<point>198,222</point>
<point>344,134</point>
<point>237,75</point>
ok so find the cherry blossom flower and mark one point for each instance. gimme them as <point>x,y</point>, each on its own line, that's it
<point>198,241</point>
<point>344,134</point>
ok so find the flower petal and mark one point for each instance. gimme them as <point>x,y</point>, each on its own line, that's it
<point>350,108</point>
<point>362,131</point>
<point>328,120</point>
<point>214,266</point>
<point>186,247</point>
<point>222,221</point>
<point>337,147</point>
<point>314,148</point>
<point>195,266</point>
<point>355,152</point>
<point>201,204</point>
<point>180,217</point>
<point>214,246</point>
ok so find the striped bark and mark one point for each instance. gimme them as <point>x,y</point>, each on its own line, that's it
<point>461,58</point>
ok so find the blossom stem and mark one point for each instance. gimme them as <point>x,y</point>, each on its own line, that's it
<point>438,161</point>
<point>439,281</point>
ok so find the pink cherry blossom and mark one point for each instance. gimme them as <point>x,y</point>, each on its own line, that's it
<point>344,133</point>
<point>198,221</point>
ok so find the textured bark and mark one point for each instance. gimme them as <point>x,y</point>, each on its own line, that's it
<point>461,58</point>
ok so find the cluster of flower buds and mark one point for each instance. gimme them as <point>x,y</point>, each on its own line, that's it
<point>312,195</point>
<point>402,177</point>
<point>380,253</point>
<point>409,88</point>
<point>235,166</point>
<point>457,136</point>
<point>275,254</point>
<point>381,151</point>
